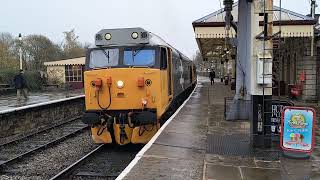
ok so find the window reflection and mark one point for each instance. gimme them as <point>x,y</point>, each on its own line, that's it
<point>139,57</point>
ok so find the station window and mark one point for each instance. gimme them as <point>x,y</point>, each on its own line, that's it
<point>74,73</point>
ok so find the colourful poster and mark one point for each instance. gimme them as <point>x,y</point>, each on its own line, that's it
<point>297,129</point>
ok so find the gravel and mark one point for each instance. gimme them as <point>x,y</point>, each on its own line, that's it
<point>12,150</point>
<point>49,162</point>
<point>108,162</point>
<point>4,140</point>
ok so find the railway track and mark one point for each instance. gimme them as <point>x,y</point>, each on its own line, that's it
<point>14,150</point>
<point>15,140</point>
<point>104,162</point>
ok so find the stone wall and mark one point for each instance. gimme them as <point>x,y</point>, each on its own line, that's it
<point>32,119</point>
<point>296,57</point>
<point>308,64</point>
<point>56,74</point>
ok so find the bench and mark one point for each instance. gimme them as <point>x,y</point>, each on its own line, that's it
<point>4,86</point>
<point>51,85</point>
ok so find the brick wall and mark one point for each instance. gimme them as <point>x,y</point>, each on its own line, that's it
<point>28,120</point>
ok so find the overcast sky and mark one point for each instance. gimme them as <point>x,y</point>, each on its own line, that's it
<point>170,19</point>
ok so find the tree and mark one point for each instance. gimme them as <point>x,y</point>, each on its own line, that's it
<point>7,58</point>
<point>71,47</point>
<point>38,49</point>
<point>197,59</point>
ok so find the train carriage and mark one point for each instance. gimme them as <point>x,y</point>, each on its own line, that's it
<point>132,77</point>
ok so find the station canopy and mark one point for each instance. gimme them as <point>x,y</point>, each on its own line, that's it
<point>65,62</point>
<point>210,31</point>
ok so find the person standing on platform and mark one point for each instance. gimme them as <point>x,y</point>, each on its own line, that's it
<point>212,75</point>
<point>20,85</point>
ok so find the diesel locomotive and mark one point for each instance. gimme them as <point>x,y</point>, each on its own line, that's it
<point>132,77</point>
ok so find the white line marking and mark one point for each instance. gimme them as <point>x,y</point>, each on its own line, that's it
<point>153,139</point>
<point>241,175</point>
<point>39,104</point>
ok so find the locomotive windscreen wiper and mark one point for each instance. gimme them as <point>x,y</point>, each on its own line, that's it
<point>134,53</point>
<point>106,54</point>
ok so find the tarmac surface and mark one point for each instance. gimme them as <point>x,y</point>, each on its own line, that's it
<point>199,144</point>
<point>10,101</point>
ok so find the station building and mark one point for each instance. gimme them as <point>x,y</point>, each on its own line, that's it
<point>297,53</point>
<point>67,72</point>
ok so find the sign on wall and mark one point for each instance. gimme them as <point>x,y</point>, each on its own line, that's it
<point>298,129</point>
<point>275,120</point>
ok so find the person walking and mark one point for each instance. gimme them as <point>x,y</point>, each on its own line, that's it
<point>20,85</point>
<point>212,75</point>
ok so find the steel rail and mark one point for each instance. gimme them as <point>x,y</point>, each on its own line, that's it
<point>40,131</point>
<point>49,144</point>
<point>69,169</point>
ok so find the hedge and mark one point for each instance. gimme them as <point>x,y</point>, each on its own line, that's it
<point>33,78</point>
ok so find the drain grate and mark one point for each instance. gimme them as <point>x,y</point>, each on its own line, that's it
<point>238,145</point>
<point>234,144</point>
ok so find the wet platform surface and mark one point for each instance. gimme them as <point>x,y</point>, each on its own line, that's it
<point>10,101</point>
<point>199,144</point>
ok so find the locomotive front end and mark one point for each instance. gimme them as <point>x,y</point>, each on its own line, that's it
<point>123,89</point>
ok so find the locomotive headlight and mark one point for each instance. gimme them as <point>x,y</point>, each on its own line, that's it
<point>108,36</point>
<point>120,84</point>
<point>134,35</point>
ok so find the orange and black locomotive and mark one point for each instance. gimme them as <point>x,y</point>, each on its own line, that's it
<point>132,77</point>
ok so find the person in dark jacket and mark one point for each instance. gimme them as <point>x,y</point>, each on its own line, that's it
<point>212,75</point>
<point>20,85</point>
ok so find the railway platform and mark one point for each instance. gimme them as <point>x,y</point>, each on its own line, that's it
<point>37,113</point>
<point>197,143</point>
<point>9,102</point>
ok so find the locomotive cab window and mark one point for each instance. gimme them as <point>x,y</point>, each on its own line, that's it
<point>100,58</point>
<point>139,57</point>
<point>163,59</point>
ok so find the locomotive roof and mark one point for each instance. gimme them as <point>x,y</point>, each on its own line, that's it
<point>123,37</point>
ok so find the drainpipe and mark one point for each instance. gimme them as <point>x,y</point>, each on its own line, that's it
<point>313,12</point>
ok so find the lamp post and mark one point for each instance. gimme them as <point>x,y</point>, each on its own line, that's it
<point>20,50</point>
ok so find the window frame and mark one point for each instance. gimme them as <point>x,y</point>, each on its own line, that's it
<point>137,49</point>
<point>103,49</point>
<point>73,73</point>
<point>121,56</point>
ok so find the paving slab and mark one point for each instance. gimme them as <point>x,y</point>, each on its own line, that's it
<point>172,152</point>
<point>260,174</point>
<point>187,128</point>
<point>218,172</point>
<point>182,140</point>
<point>155,168</point>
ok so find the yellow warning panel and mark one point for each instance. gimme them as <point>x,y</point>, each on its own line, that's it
<point>143,134</point>
<point>117,131</point>
<point>103,138</point>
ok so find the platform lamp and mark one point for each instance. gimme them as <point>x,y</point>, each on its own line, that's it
<point>20,49</point>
